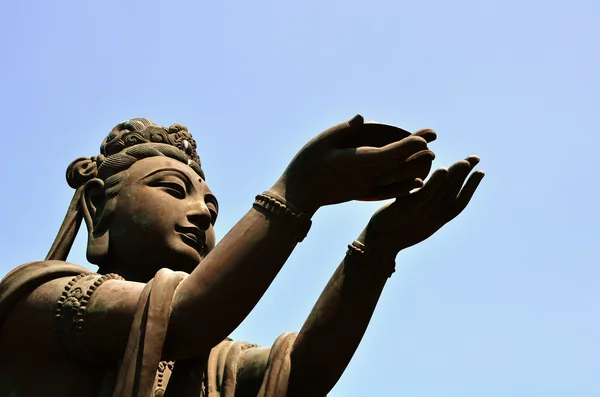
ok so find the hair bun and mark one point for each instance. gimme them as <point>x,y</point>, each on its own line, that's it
<point>82,170</point>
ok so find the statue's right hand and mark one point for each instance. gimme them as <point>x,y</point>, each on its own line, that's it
<point>340,165</point>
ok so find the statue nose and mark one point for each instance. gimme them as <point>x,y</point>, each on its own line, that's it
<point>200,216</point>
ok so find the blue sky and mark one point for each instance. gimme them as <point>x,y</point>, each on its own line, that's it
<point>504,301</point>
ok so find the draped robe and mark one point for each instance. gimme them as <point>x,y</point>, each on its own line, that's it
<point>211,376</point>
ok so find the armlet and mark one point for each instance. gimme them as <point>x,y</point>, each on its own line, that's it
<point>69,318</point>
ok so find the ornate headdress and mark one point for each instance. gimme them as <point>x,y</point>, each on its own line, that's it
<point>136,131</point>
<point>123,136</point>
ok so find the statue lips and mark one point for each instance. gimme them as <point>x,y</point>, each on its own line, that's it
<point>193,237</point>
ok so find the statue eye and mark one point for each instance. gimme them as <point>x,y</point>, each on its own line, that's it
<point>213,212</point>
<point>213,207</point>
<point>173,188</point>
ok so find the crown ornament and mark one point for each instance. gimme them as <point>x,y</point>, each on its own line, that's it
<point>135,131</point>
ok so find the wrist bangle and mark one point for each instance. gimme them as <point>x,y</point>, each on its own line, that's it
<point>273,205</point>
<point>357,250</point>
<point>283,201</point>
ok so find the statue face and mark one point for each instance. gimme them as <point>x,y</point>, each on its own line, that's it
<point>163,217</point>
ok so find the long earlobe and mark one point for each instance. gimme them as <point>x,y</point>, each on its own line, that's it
<point>91,203</point>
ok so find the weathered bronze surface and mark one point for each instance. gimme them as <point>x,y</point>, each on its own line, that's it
<point>155,318</point>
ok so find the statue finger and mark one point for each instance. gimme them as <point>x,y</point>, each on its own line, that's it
<point>426,195</point>
<point>394,190</point>
<point>417,166</point>
<point>389,166</point>
<point>454,180</point>
<point>457,173</point>
<point>473,160</point>
<point>466,194</point>
<point>426,133</point>
<point>367,156</point>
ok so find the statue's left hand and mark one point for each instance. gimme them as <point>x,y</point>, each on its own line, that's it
<point>413,218</point>
<point>343,164</point>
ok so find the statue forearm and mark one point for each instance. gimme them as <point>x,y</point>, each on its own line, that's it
<point>225,287</point>
<point>334,328</point>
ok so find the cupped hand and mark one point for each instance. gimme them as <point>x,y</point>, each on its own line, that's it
<point>339,165</point>
<point>415,217</point>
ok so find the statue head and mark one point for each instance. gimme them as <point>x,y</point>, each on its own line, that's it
<point>144,200</point>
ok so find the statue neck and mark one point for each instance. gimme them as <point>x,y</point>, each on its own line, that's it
<point>129,270</point>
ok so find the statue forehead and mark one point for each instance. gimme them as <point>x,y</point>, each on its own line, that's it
<point>155,163</point>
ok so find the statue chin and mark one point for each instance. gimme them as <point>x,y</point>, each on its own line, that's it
<point>188,263</point>
<point>183,256</point>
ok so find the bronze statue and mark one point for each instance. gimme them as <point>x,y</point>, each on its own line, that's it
<point>155,318</point>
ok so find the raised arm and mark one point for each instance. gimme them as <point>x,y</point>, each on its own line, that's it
<point>330,169</point>
<point>341,164</point>
<point>342,313</point>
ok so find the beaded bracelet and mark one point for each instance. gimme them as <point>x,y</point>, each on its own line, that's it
<point>272,205</point>
<point>357,250</point>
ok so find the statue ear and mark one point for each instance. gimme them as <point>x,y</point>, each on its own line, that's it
<point>92,205</point>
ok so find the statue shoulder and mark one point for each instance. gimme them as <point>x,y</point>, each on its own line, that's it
<point>25,312</point>
<point>26,278</point>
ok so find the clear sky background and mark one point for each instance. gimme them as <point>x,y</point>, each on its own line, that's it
<point>504,301</point>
